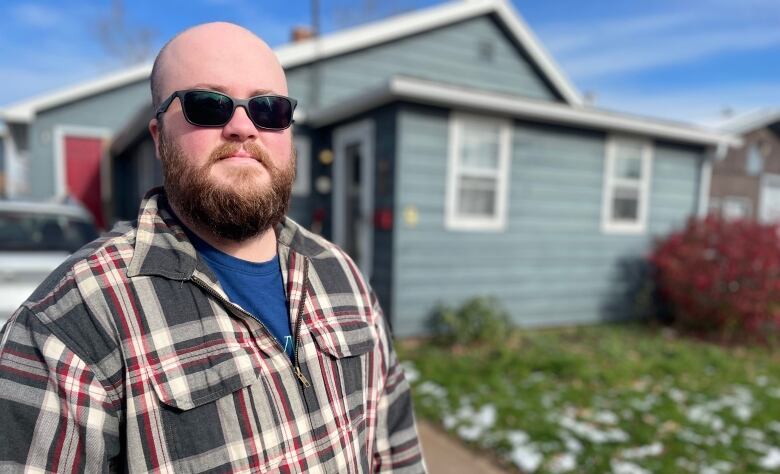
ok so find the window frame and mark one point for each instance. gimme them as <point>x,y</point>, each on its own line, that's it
<point>610,182</point>
<point>454,220</point>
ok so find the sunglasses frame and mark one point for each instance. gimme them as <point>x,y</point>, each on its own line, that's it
<point>236,103</point>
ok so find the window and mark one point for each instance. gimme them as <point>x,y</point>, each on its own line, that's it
<point>478,171</point>
<point>626,185</point>
<point>755,160</point>
<point>302,166</point>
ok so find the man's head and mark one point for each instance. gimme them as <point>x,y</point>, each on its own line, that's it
<point>233,181</point>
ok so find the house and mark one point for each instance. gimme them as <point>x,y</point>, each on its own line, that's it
<point>445,150</point>
<point>746,182</point>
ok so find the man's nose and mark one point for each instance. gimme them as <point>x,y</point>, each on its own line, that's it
<point>240,127</point>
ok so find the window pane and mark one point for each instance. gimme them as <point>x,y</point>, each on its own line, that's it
<point>477,197</point>
<point>479,145</point>
<point>630,168</point>
<point>625,204</point>
<point>628,160</point>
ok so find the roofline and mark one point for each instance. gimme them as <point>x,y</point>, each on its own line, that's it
<point>24,111</point>
<point>456,97</point>
<point>751,121</point>
<point>342,42</point>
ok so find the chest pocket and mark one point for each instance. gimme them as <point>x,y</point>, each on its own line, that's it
<point>211,400</point>
<point>345,343</point>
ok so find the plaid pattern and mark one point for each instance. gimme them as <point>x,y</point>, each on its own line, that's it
<point>130,357</point>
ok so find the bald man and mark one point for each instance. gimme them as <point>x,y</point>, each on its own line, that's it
<point>213,334</point>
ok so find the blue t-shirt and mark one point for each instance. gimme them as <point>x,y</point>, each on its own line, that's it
<point>256,287</point>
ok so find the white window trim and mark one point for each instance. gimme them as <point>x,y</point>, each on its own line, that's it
<point>452,220</point>
<point>302,185</point>
<point>608,225</point>
<point>63,131</point>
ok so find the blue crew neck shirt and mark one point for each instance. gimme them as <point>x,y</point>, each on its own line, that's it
<point>256,287</point>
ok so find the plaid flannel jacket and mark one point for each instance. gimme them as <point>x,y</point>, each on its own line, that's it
<point>131,358</point>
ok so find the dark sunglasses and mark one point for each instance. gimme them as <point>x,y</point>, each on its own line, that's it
<point>206,108</point>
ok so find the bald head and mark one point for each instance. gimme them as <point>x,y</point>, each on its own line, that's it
<point>214,54</point>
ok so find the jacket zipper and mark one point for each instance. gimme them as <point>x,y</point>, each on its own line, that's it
<point>298,320</point>
<point>296,367</point>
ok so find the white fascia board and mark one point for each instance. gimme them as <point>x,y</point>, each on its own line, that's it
<point>520,29</point>
<point>295,54</point>
<point>24,112</point>
<point>751,121</point>
<point>452,96</point>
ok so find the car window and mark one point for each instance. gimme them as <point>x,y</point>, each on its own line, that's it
<point>38,232</point>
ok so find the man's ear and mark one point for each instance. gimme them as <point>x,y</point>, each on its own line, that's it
<point>154,130</point>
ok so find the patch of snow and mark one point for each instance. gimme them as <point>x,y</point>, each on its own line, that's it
<point>677,395</point>
<point>624,467</point>
<point>470,433</point>
<point>526,457</point>
<point>774,426</point>
<point>773,392</point>
<point>572,444</point>
<point>605,417</point>
<point>771,460</point>
<point>517,437</point>
<point>643,451</point>
<point>754,434</point>
<point>411,373</point>
<point>762,380</point>
<point>592,433</point>
<point>431,389</point>
<point>563,462</point>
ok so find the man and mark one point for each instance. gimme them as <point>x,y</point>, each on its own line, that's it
<point>213,334</point>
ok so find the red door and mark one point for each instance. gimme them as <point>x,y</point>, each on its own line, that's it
<point>82,173</point>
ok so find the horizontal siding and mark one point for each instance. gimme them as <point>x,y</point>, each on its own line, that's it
<point>552,264</point>
<point>449,54</point>
<point>111,110</point>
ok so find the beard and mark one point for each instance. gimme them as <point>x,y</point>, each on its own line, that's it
<point>236,210</point>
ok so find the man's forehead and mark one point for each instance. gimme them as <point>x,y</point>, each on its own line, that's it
<point>221,56</point>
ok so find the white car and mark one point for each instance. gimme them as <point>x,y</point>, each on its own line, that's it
<point>35,238</point>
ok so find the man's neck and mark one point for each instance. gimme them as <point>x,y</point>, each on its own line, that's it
<point>260,248</point>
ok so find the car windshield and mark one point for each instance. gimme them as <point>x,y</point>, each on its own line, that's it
<point>40,232</point>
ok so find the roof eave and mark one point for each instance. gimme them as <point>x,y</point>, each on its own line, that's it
<point>445,95</point>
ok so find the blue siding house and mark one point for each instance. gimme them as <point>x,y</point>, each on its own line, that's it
<point>446,151</point>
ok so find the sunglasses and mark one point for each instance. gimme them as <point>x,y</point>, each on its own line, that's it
<point>206,108</point>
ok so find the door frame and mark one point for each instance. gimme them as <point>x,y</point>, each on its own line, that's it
<point>60,133</point>
<point>356,131</point>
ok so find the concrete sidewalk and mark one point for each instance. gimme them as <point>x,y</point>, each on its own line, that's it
<point>446,455</point>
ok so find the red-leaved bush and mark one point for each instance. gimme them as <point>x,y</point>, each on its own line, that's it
<point>722,276</point>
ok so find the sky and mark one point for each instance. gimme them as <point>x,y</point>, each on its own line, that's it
<point>689,60</point>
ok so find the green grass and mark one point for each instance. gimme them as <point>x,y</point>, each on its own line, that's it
<point>700,406</point>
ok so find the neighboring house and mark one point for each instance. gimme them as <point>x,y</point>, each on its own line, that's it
<point>746,182</point>
<point>447,152</point>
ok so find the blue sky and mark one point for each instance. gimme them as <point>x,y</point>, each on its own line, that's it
<point>678,59</point>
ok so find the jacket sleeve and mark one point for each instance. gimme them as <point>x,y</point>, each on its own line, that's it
<point>55,415</point>
<point>397,445</point>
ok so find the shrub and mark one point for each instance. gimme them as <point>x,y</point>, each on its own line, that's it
<point>479,320</point>
<point>721,276</point>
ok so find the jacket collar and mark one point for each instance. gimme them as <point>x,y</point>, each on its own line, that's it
<point>163,249</point>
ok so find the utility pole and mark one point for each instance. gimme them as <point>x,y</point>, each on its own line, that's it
<point>314,90</point>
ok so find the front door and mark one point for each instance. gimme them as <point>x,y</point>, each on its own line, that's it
<point>353,192</point>
<point>82,173</point>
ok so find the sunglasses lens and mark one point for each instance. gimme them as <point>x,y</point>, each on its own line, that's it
<point>271,112</point>
<point>207,108</point>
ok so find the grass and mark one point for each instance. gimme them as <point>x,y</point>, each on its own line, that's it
<point>622,399</point>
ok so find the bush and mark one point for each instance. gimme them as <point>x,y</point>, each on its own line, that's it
<point>721,277</point>
<point>477,321</point>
